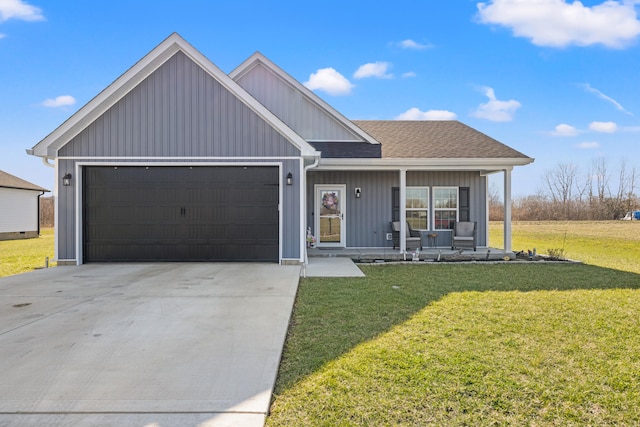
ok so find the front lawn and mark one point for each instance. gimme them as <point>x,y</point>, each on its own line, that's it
<point>442,344</point>
<point>20,256</point>
<point>611,244</point>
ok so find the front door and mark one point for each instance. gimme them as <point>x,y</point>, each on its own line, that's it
<point>330,215</point>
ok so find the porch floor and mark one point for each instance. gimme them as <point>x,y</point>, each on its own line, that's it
<point>427,254</point>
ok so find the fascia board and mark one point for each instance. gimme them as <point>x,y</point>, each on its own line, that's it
<point>423,164</point>
<point>50,145</point>
<point>259,58</point>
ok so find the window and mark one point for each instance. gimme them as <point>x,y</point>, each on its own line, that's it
<point>417,207</point>
<point>445,207</point>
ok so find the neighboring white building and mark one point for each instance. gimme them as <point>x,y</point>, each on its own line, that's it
<point>19,208</point>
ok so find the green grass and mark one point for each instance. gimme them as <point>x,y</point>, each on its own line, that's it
<point>19,256</point>
<point>539,344</point>
<point>611,244</point>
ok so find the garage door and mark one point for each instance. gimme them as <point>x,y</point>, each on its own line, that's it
<point>181,214</point>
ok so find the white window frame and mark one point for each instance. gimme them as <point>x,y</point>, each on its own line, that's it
<point>425,209</point>
<point>435,209</point>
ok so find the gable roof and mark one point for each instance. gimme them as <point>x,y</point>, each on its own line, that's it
<point>436,140</point>
<point>49,146</point>
<point>10,181</point>
<point>323,114</point>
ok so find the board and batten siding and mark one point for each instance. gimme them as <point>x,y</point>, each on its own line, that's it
<point>18,210</point>
<point>293,108</point>
<point>179,111</point>
<point>368,217</point>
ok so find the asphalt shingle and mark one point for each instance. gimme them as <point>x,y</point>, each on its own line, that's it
<point>9,181</point>
<point>434,139</point>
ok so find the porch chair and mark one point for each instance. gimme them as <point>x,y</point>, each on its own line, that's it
<point>464,235</point>
<point>413,236</point>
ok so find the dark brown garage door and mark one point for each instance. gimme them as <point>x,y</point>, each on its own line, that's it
<point>181,213</point>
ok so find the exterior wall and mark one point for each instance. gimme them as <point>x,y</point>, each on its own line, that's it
<point>178,115</point>
<point>368,217</point>
<point>179,110</point>
<point>19,235</point>
<point>18,211</point>
<point>297,111</point>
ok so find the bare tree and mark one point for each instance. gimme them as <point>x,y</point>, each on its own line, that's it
<point>496,206</point>
<point>560,185</point>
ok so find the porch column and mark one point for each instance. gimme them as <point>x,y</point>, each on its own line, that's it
<point>403,210</point>
<point>507,210</point>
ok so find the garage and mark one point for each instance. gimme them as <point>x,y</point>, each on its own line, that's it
<point>180,213</point>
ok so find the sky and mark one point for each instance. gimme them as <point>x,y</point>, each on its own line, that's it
<point>557,80</point>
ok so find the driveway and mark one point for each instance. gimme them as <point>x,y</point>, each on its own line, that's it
<point>162,344</point>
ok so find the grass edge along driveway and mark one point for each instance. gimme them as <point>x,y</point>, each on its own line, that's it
<point>504,344</point>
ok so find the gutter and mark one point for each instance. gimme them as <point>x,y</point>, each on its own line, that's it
<point>304,231</point>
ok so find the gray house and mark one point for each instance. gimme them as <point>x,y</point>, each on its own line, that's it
<point>176,160</point>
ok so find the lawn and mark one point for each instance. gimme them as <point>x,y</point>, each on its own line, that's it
<point>541,344</point>
<point>19,256</point>
<point>611,244</point>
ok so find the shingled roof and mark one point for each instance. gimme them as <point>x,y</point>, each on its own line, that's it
<point>9,181</point>
<point>434,139</point>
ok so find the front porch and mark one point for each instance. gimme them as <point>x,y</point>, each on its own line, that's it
<point>444,254</point>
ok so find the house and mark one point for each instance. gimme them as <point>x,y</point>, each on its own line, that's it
<point>177,160</point>
<point>19,208</point>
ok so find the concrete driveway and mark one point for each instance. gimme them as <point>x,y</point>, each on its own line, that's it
<point>169,344</point>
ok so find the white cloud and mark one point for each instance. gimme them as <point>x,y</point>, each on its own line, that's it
<point>60,101</point>
<point>329,81</point>
<point>411,44</point>
<point>409,74</point>
<point>604,127</point>
<point>601,95</point>
<point>564,130</point>
<point>415,114</point>
<point>496,110</point>
<point>588,145</point>
<point>17,9</point>
<point>2,36</point>
<point>373,69</point>
<point>558,23</point>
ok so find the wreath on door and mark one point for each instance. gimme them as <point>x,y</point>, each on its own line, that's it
<point>330,202</point>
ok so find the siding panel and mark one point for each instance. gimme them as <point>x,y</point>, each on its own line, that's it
<point>297,111</point>
<point>179,110</point>
<point>368,217</point>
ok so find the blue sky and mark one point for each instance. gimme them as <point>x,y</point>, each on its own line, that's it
<point>557,80</point>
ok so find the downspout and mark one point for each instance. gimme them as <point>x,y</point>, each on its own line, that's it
<point>306,216</point>
<point>39,195</point>
<point>51,165</point>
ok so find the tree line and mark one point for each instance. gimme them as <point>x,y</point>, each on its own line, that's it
<point>567,193</point>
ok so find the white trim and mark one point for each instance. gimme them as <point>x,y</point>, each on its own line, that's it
<point>302,188</point>
<point>449,187</point>
<point>259,59</point>
<point>427,209</point>
<point>79,204</point>
<point>343,210</point>
<point>485,165</point>
<point>79,201</point>
<point>403,211</point>
<point>177,158</point>
<point>280,210</point>
<point>56,210</point>
<point>507,210</point>
<point>117,90</point>
<point>486,208</point>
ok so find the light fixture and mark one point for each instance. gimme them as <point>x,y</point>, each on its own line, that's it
<point>66,180</point>
<point>289,178</point>
<point>358,192</point>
